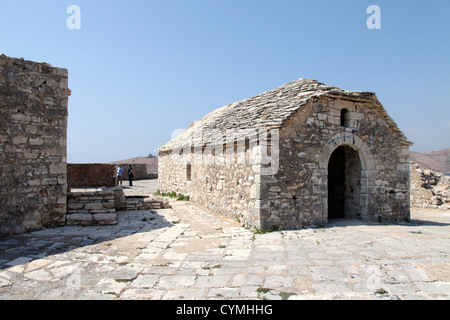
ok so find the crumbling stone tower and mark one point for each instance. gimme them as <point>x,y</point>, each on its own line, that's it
<point>33,156</point>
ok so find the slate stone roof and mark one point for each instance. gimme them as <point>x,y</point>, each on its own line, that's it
<point>271,109</point>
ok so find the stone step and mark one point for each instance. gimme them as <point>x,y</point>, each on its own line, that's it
<point>144,203</point>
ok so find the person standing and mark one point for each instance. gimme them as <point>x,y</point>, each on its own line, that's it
<point>130,175</point>
<point>119,175</point>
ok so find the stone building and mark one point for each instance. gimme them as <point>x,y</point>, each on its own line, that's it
<point>295,156</point>
<point>33,131</point>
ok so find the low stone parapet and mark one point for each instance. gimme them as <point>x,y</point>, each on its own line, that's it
<point>99,206</point>
<point>96,207</point>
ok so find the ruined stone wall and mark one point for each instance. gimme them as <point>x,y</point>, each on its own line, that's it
<point>429,189</point>
<point>33,130</point>
<point>298,195</point>
<point>81,175</point>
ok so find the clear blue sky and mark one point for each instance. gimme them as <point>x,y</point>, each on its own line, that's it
<point>140,69</point>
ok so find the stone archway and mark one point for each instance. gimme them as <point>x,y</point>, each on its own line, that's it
<point>367,169</point>
<point>344,183</point>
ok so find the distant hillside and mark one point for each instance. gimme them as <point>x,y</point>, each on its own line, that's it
<point>436,160</point>
<point>152,163</point>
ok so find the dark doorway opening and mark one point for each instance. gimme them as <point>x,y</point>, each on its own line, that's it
<point>344,183</point>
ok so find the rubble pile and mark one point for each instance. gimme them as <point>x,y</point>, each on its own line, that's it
<point>429,189</point>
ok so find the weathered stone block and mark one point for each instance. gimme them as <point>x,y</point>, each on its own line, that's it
<point>94,212</point>
<point>75,206</point>
<point>79,219</point>
<point>58,168</point>
<point>109,205</point>
<point>36,141</point>
<point>105,218</point>
<point>50,181</point>
<point>93,206</point>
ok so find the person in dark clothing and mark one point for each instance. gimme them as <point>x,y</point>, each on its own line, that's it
<point>130,175</point>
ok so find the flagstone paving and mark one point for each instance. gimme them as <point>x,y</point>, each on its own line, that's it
<point>188,253</point>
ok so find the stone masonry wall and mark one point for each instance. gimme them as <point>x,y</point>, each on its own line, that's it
<point>91,175</point>
<point>33,130</point>
<point>92,207</point>
<point>223,188</point>
<point>298,195</point>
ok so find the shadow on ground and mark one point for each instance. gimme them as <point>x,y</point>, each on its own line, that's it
<point>414,222</point>
<point>44,243</point>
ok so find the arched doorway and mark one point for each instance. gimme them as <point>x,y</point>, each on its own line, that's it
<point>344,183</point>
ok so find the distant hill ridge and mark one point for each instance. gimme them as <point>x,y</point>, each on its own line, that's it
<point>438,160</point>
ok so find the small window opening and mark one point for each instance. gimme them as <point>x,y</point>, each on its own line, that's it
<point>247,144</point>
<point>344,116</point>
<point>189,172</point>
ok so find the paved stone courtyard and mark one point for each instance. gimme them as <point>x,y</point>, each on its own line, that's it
<point>188,253</point>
